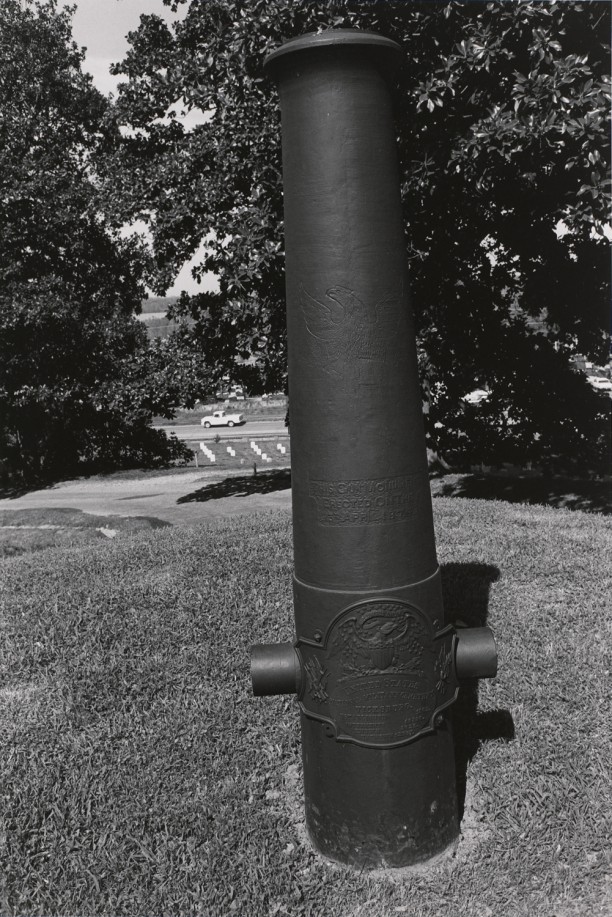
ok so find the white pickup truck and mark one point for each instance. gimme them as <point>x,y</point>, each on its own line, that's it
<point>600,384</point>
<point>221,419</point>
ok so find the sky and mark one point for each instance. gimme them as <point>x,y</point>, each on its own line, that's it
<point>101,27</point>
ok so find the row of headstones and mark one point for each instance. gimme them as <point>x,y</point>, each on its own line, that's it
<point>210,455</point>
<point>212,458</point>
<point>263,455</point>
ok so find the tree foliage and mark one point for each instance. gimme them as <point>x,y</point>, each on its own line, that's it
<point>503,120</point>
<point>74,368</point>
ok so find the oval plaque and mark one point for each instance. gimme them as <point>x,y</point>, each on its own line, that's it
<point>381,674</point>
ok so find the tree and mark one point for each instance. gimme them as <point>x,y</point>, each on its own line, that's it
<point>73,364</point>
<point>503,120</point>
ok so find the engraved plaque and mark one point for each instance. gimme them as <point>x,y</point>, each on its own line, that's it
<point>344,331</point>
<point>376,501</point>
<point>380,676</point>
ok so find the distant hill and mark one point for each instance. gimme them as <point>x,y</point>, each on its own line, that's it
<point>157,304</point>
<point>153,316</point>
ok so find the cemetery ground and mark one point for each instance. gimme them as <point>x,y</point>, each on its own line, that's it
<point>140,777</point>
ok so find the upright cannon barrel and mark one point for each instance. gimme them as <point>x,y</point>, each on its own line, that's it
<point>374,666</point>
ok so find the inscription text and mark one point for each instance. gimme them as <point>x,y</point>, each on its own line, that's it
<point>375,501</point>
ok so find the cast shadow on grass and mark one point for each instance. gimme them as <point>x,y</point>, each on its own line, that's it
<point>264,482</point>
<point>590,496</point>
<point>465,589</point>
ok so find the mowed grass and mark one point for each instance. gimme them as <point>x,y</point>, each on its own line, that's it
<point>25,530</point>
<point>140,777</point>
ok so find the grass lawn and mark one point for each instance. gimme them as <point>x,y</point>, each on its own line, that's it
<point>140,777</point>
<point>25,530</point>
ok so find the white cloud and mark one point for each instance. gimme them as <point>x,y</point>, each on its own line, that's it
<point>184,279</point>
<point>189,118</point>
<point>103,81</point>
<point>102,27</point>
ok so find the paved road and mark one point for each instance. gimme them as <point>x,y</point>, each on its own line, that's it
<point>182,497</point>
<point>179,497</point>
<point>250,430</point>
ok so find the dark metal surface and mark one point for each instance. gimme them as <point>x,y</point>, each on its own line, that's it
<point>274,669</point>
<point>377,662</point>
<point>383,51</point>
<point>380,676</point>
<point>476,655</point>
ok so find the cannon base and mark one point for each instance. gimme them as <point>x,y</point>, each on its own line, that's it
<point>372,808</point>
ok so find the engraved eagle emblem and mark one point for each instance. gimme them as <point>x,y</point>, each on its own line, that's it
<point>378,641</point>
<point>346,329</point>
<point>380,676</point>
